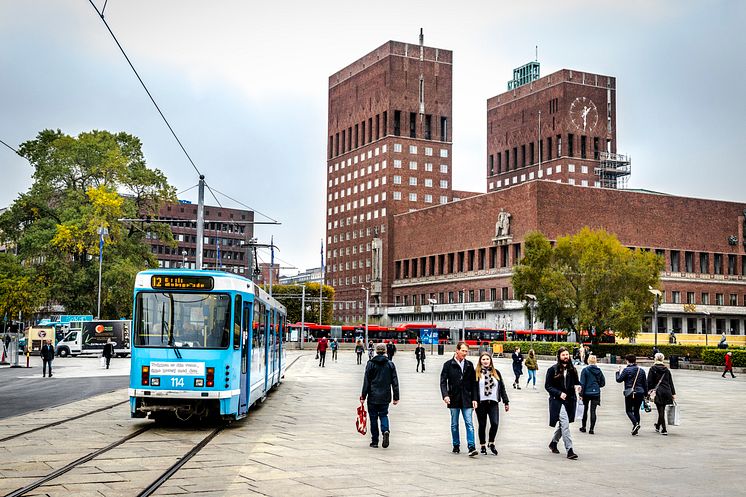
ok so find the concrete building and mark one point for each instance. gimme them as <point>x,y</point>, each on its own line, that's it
<point>226,233</point>
<point>312,275</point>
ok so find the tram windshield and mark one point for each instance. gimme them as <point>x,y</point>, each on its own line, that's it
<point>193,320</point>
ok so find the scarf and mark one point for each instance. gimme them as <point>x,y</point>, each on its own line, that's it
<point>489,381</point>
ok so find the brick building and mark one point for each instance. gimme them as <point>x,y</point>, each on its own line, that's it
<point>560,127</point>
<point>389,152</point>
<point>226,232</point>
<point>702,241</point>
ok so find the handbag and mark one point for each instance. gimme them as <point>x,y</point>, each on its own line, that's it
<point>579,410</point>
<point>645,406</point>
<point>652,393</point>
<point>630,391</point>
<point>673,415</point>
<point>362,419</point>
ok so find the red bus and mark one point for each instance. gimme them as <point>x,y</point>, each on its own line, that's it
<point>605,337</point>
<point>540,335</point>
<point>477,336</point>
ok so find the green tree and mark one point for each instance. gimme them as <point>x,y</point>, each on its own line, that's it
<point>588,280</point>
<point>20,292</point>
<point>81,184</point>
<point>291,296</point>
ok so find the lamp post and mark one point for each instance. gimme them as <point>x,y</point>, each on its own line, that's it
<point>102,232</point>
<point>531,305</point>
<point>183,258</point>
<point>302,314</point>
<point>706,324</point>
<point>432,321</point>
<point>366,316</point>
<point>657,294</point>
<point>462,335</point>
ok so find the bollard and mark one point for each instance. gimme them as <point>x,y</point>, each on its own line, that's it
<point>28,358</point>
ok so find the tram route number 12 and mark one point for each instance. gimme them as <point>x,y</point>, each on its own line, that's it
<point>177,382</point>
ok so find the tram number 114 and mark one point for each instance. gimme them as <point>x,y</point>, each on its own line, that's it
<point>177,382</point>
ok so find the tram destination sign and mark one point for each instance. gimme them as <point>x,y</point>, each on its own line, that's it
<point>190,282</point>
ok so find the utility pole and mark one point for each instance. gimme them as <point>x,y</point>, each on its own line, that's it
<point>102,232</point>
<point>463,315</point>
<point>366,316</point>
<point>302,315</point>
<point>200,222</point>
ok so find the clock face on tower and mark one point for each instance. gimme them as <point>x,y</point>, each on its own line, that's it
<point>584,114</point>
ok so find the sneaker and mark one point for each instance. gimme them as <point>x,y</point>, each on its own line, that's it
<point>571,454</point>
<point>456,449</point>
<point>582,429</point>
<point>664,433</point>
<point>493,449</point>
<point>374,445</point>
<point>534,387</point>
<point>657,428</point>
<point>385,439</point>
<point>473,452</point>
<point>518,387</point>
<point>590,432</point>
<point>513,385</point>
<point>553,447</point>
<point>636,429</point>
<point>483,450</point>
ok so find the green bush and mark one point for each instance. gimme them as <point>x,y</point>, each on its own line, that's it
<point>540,348</point>
<point>716,357</point>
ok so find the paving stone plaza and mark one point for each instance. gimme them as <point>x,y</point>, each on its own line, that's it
<point>302,441</point>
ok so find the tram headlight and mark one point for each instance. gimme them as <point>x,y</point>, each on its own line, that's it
<point>199,382</point>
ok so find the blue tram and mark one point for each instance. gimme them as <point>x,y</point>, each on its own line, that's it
<point>204,344</point>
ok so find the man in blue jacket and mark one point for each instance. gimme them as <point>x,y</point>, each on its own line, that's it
<point>380,380</point>
<point>635,389</point>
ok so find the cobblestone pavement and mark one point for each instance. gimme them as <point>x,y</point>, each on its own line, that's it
<point>302,441</point>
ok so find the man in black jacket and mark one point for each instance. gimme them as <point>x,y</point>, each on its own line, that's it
<point>460,391</point>
<point>390,350</point>
<point>47,356</point>
<point>562,384</point>
<point>419,354</point>
<point>380,380</point>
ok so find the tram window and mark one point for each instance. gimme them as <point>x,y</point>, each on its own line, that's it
<point>237,323</point>
<point>196,320</point>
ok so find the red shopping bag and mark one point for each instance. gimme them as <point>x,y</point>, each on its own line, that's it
<point>362,419</point>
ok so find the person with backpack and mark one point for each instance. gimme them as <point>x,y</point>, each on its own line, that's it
<point>334,345</point>
<point>635,390</point>
<point>592,380</point>
<point>378,384</point>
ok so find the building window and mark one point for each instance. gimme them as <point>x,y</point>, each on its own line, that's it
<point>397,123</point>
<point>429,167</point>
<point>733,299</point>
<point>397,180</point>
<point>412,181</point>
<point>718,260</point>
<point>705,298</point>
<point>412,165</point>
<point>444,168</point>
<point>675,266</point>
<point>444,183</point>
<point>397,195</point>
<point>413,197</point>
<point>719,300</point>
<point>689,262</point>
<point>731,264</point>
<point>397,147</point>
<point>443,128</point>
<point>429,199</point>
<point>690,297</point>
<point>413,125</point>
<point>443,199</point>
<point>676,297</point>
<point>704,263</point>
<point>428,182</point>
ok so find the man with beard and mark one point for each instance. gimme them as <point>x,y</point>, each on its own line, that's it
<point>562,383</point>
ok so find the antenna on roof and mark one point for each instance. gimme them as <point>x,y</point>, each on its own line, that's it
<point>422,38</point>
<point>537,53</point>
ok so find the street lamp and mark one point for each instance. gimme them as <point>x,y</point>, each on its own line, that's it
<point>657,294</point>
<point>432,303</point>
<point>102,232</point>
<point>531,306</point>
<point>183,258</point>
<point>462,335</point>
<point>706,324</point>
<point>366,315</point>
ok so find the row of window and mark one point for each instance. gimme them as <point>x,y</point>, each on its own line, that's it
<point>376,127</point>
<point>193,265</point>
<point>695,325</point>
<point>457,262</point>
<point>350,280</point>
<point>690,263</point>
<point>353,191</point>
<point>350,235</point>
<point>439,316</point>
<point>675,297</point>
<point>454,297</point>
<point>526,155</point>
<point>212,226</point>
<point>194,211</point>
<point>413,166</point>
<point>544,172</point>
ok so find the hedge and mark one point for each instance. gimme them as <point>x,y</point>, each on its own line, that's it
<point>709,355</point>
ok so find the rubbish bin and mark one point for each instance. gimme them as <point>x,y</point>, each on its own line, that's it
<point>441,349</point>
<point>612,359</point>
<point>674,362</point>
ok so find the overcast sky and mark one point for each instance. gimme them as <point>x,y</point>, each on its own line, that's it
<point>244,84</point>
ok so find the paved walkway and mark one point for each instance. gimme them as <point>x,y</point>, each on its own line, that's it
<point>302,441</point>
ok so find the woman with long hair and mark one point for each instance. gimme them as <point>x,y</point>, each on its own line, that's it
<point>562,384</point>
<point>532,366</point>
<point>491,392</point>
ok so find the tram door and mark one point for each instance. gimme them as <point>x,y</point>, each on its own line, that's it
<point>268,352</point>
<point>245,346</point>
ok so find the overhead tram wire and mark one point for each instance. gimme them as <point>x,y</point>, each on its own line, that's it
<point>184,191</point>
<point>14,150</point>
<point>121,49</point>
<point>247,206</point>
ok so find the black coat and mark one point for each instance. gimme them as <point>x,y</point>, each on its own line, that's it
<point>461,388</point>
<point>108,350</point>
<point>47,352</point>
<point>419,352</point>
<point>665,391</point>
<point>628,376</point>
<point>380,380</point>
<point>517,363</point>
<point>390,349</point>
<point>556,386</point>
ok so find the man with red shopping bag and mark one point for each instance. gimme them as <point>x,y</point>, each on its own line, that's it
<point>380,380</point>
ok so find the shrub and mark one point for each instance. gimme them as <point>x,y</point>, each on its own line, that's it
<point>716,357</point>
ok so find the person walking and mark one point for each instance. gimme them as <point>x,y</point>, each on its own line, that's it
<point>562,384</point>
<point>359,349</point>
<point>592,380</point>
<point>663,393</point>
<point>459,390</point>
<point>390,350</point>
<point>334,345</point>
<point>532,366</point>
<point>635,389</point>
<point>371,349</point>
<point>491,392</point>
<point>729,365</point>
<point>108,352</point>
<point>419,354</point>
<point>321,347</point>
<point>517,367</point>
<point>379,383</point>
<point>47,356</point>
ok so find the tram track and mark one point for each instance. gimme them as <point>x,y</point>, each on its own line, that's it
<point>63,421</point>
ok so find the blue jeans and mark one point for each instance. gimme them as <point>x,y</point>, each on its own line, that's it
<point>466,412</point>
<point>376,411</point>
<point>531,376</point>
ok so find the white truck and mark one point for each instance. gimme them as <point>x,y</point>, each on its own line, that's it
<point>89,337</point>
